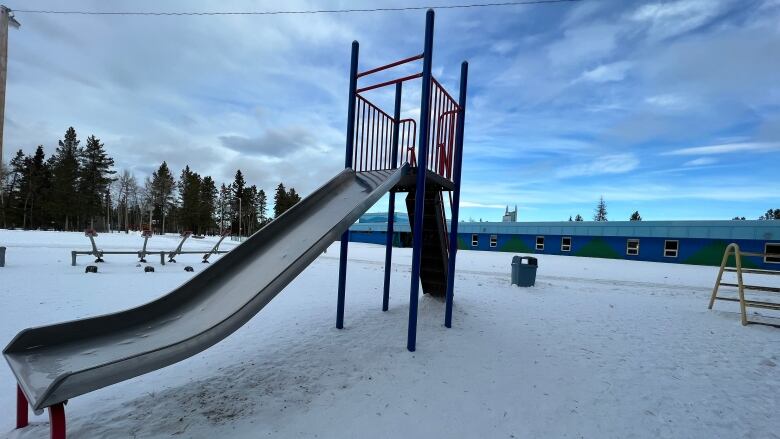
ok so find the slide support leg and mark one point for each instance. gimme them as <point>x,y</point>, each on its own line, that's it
<point>22,419</point>
<point>422,166</point>
<point>342,280</point>
<point>388,252</point>
<point>464,73</point>
<point>57,421</point>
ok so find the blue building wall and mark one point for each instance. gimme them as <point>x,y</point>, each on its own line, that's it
<point>699,242</point>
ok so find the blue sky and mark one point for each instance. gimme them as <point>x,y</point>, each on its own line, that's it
<point>671,108</point>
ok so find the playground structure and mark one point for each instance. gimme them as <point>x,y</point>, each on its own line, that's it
<point>49,362</point>
<point>738,268</point>
<point>143,253</point>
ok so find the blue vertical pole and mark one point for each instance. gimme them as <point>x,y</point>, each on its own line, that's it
<point>456,178</point>
<point>419,200</point>
<point>347,164</point>
<point>391,207</point>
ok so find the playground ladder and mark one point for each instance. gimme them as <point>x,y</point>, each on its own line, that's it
<point>433,270</point>
<point>733,249</point>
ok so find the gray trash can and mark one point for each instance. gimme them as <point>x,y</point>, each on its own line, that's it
<point>524,275</point>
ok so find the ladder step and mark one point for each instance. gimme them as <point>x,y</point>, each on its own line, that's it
<point>753,270</point>
<point>753,287</point>
<point>752,303</point>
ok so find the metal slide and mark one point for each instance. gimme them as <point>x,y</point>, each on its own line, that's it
<point>55,363</point>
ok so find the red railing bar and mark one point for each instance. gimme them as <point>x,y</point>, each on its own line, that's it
<point>370,104</point>
<point>394,81</point>
<point>391,65</point>
<point>445,91</point>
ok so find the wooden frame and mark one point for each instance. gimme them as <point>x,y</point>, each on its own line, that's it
<point>733,249</point>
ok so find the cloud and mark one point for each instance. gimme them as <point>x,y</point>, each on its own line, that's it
<point>667,101</point>
<point>727,148</point>
<point>701,161</point>
<point>273,143</point>
<point>666,20</point>
<point>607,72</point>
<point>607,164</point>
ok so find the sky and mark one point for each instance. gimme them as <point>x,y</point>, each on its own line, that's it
<point>671,108</point>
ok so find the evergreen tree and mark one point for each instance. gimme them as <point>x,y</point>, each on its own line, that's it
<point>161,192</point>
<point>770,215</point>
<point>737,218</point>
<point>570,218</point>
<point>237,202</point>
<point>190,198</point>
<point>635,216</point>
<point>34,185</point>
<point>578,218</point>
<point>208,203</point>
<point>95,178</point>
<point>601,210</point>
<point>65,178</point>
<point>280,200</point>
<point>262,207</point>
<point>292,198</point>
<point>224,208</point>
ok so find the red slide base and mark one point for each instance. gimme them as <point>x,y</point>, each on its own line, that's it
<point>57,421</point>
<point>56,415</point>
<point>21,409</point>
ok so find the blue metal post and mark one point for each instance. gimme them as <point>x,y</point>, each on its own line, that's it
<point>347,164</point>
<point>391,207</point>
<point>419,200</point>
<point>456,178</point>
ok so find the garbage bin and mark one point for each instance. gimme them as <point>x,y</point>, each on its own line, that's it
<point>524,275</point>
<point>2,256</point>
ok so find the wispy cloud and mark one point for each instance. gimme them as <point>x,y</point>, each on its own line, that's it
<point>607,72</point>
<point>607,164</point>
<point>727,148</point>
<point>701,161</point>
<point>465,203</point>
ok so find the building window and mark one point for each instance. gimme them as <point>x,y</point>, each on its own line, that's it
<point>772,249</point>
<point>566,244</point>
<point>474,240</point>
<point>671,247</point>
<point>493,240</point>
<point>540,243</point>
<point>632,247</point>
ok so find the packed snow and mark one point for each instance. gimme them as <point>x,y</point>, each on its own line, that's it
<point>597,349</point>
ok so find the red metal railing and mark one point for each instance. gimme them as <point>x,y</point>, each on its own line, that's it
<point>441,137</point>
<point>373,143</point>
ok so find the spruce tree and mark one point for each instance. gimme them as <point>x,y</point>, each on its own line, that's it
<point>262,207</point>
<point>65,178</point>
<point>635,216</point>
<point>95,178</point>
<point>208,203</point>
<point>570,218</point>
<point>601,210</point>
<point>292,198</point>
<point>161,196</point>
<point>578,218</point>
<point>280,200</point>
<point>237,202</point>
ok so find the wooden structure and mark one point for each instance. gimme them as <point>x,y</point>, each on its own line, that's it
<point>733,250</point>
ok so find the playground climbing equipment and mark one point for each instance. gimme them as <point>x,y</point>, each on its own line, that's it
<point>49,362</point>
<point>738,268</point>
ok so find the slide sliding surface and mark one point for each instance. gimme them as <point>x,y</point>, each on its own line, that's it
<point>58,362</point>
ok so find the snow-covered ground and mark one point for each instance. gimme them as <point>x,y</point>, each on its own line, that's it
<point>597,349</point>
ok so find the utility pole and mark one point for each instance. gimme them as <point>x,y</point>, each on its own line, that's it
<point>6,18</point>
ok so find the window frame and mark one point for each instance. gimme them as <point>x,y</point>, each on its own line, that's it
<point>537,246</point>
<point>766,252</point>
<point>629,241</point>
<point>565,247</point>
<point>676,250</point>
<point>475,239</point>
<point>493,241</point>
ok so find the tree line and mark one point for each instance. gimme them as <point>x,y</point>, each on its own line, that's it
<point>77,188</point>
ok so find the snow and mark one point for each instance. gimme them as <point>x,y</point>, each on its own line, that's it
<point>598,348</point>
